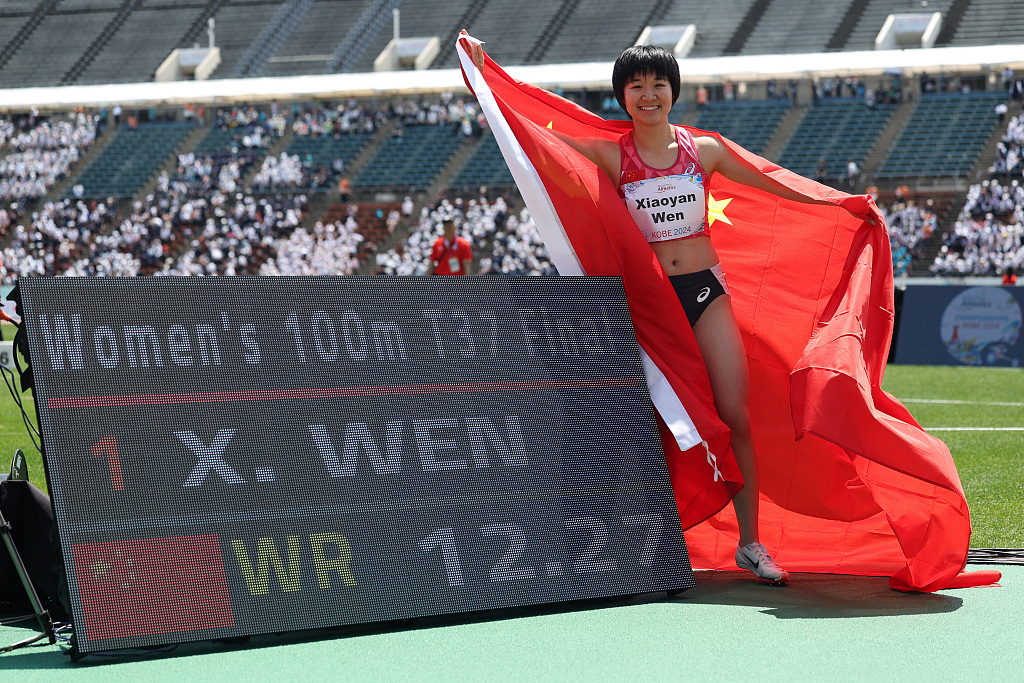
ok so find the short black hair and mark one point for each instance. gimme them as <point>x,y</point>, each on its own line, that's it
<point>641,60</point>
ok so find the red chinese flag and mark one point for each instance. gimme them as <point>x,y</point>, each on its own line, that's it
<point>152,585</point>
<point>849,482</point>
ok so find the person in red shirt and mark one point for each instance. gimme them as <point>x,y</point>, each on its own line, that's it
<point>1010,276</point>
<point>451,255</point>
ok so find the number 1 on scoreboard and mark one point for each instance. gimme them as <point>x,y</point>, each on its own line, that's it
<point>107,448</point>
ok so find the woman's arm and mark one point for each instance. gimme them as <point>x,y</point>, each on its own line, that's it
<point>604,153</point>
<point>715,157</point>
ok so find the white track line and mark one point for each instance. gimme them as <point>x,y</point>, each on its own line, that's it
<point>974,429</point>
<point>962,403</point>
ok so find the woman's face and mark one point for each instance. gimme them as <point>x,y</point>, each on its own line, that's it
<point>648,98</point>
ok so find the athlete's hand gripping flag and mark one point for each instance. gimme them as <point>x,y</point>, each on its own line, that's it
<point>849,482</point>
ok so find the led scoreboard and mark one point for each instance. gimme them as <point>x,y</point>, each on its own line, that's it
<point>236,456</point>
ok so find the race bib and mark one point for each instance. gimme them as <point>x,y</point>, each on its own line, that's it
<point>667,208</point>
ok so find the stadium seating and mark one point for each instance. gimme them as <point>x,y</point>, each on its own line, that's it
<point>221,139</point>
<point>749,123</point>
<point>126,58</point>
<point>36,62</point>
<point>864,33</point>
<point>322,150</point>
<point>716,22</point>
<point>485,167</point>
<point>79,27</point>
<point>132,158</point>
<point>509,37</point>
<point>237,27</point>
<point>308,46</point>
<point>795,27</point>
<point>837,130</point>
<point>618,30</point>
<point>991,22</point>
<point>410,162</point>
<point>944,135</point>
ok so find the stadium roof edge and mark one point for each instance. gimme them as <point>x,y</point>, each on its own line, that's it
<point>596,75</point>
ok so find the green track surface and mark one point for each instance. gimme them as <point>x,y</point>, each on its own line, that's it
<point>728,628</point>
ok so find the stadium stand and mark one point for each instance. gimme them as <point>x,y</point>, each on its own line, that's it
<point>329,250</point>
<point>514,38</point>
<point>239,237</point>
<point>485,167</point>
<point>373,221</point>
<point>749,123</point>
<point>132,158</point>
<point>241,128</point>
<point>944,136</point>
<point>238,24</point>
<point>988,235</point>
<point>308,46</point>
<point>863,35</point>
<point>324,136</point>
<point>618,29</point>
<point>405,145</point>
<point>503,242</point>
<point>41,154</point>
<point>274,32</point>
<point>125,58</point>
<point>370,23</point>
<point>36,62</point>
<point>286,37</point>
<point>837,130</point>
<point>54,238</point>
<point>795,27</point>
<point>411,161</point>
<point>991,22</point>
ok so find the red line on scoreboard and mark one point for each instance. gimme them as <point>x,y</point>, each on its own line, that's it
<point>336,392</point>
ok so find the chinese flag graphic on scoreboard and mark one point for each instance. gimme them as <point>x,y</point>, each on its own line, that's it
<point>153,585</point>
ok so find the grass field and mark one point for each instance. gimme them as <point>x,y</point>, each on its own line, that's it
<point>978,412</point>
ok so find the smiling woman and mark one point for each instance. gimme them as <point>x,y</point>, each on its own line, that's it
<point>662,172</point>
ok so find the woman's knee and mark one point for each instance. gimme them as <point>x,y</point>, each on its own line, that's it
<point>737,419</point>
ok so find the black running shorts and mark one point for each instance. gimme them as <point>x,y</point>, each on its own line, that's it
<point>697,290</point>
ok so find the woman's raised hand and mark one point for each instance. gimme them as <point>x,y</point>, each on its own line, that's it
<point>476,51</point>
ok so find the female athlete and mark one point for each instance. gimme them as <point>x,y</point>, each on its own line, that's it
<point>659,165</point>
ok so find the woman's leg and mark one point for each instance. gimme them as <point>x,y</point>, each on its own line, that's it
<point>718,337</point>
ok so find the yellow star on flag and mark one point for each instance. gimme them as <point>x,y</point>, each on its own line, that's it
<point>716,210</point>
<point>100,569</point>
<point>550,125</point>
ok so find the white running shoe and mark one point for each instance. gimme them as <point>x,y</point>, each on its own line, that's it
<point>755,557</point>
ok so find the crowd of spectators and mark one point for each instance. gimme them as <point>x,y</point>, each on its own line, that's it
<point>1010,149</point>
<point>182,202</point>
<point>446,109</point>
<point>344,119</point>
<point>238,235</point>
<point>329,250</point>
<point>54,237</point>
<point>41,154</point>
<point>250,126</point>
<point>911,227</point>
<point>506,242</point>
<point>284,171</point>
<point>988,235</point>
